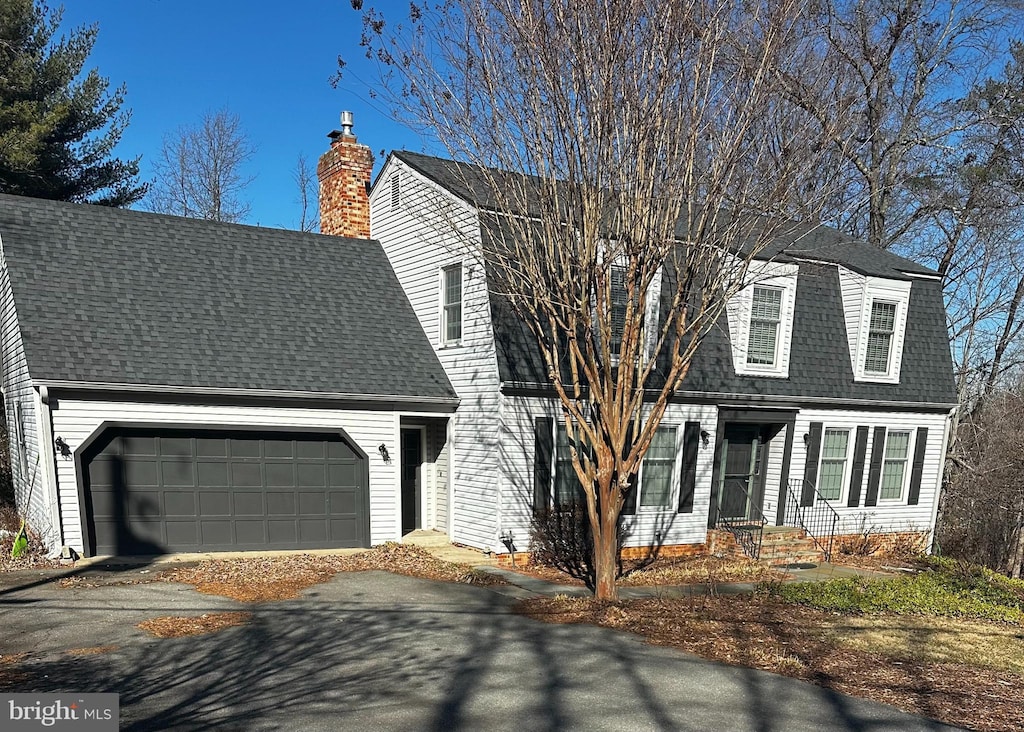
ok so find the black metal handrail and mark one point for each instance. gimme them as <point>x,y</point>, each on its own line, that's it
<point>819,520</point>
<point>747,532</point>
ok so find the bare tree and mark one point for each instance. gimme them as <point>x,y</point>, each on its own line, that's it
<point>200,171</point>
<point>884,78</point>
<point>307,186</point>
<point>625,147</point>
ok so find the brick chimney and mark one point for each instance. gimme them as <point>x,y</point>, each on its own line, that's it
<point>344,172</point>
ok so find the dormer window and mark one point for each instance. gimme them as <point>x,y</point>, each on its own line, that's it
<point>880,331</point>
<point>765,315</point>
<point>761,320</point>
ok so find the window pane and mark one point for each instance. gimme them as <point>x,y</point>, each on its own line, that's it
<point>764,326</point>
<point>830,484</point>
<point>452,310</point>
<point>883,316</point>
<point>767,304</point>
<point>896,446</point>
<point>877,359</point>
<point>834,446</point>
<point>656,473</point>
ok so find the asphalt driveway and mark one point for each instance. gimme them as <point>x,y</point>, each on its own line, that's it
<point>375,651</point>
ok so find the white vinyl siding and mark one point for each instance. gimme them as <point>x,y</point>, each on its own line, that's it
<point>835,449</point>
<point>649,525</point>
<point>765,313</point>
<point>77,419</point>
<point>894,465</point>
<point>880,331</point>
<point>451,294</point>
<point>886,516</point>
<point>658,468</point>
<point>430,231</point>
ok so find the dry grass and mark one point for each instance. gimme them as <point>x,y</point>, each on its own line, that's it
<point>179,627</point>
<point>698,570</point>
<point>995,646</point>
<point>34,556</point>
<point>903,661</point>
<point>263,579</point>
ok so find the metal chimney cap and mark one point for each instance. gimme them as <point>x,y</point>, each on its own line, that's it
<point>346,123</point>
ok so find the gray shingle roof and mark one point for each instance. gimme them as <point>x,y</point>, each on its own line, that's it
<point>114,296</point>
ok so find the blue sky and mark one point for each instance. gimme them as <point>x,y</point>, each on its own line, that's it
<point>267,61</point>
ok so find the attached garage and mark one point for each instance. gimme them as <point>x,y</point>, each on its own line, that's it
<point>157,490</point>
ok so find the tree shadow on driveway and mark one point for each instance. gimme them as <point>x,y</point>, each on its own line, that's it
<point>374,650</point>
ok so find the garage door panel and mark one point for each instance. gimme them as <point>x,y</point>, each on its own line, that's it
<point>280,475</point>
<point>250,532</point>
<point>342,502</point>
<point>138,472</point>
<point>215,503</point>
<point>215,490</point>
<point>309,449</point>
<point>180,504</point>
<point>249,504</point>
<point>212,447</point>
<point>282,532</point>
<point>311,475</point>
<point>312,531</point>
<point>246,475</point>
<point>280,504</point>
<point>212,475</point>
<point>178,473</point>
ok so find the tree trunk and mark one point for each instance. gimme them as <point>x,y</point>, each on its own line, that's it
<point>606,556</point>
<point>1016,561</point>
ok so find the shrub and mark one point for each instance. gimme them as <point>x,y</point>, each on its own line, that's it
<point>560,537</point>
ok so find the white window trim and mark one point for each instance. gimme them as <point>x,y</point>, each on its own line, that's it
<point>907,466</point>
<point>773,366</point>
<point>844,486</point>
<point>673,488</point>
<point>890,291</point>
<point>652,315</point>
<point>772,275</point>
<point>442,338</point>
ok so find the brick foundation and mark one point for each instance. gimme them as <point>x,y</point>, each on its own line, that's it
<point>895,543</point>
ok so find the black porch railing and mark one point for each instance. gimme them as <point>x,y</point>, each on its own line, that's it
<point>747,531</point>
<point>819,520</point>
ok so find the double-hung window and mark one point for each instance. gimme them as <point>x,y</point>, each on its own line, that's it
<point>880,331</point>
<point>567,486</point>
<point>894,465</point>
<point>835,445</point>
<point>451,304</point>
<point>765,316</point>
<point>657,468</point>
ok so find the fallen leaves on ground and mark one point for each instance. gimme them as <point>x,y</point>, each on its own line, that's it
<point>671,571</point>
<point>261,579</point>
<point>178,627</point>
<point>90,650</point>
<point>804,643</point>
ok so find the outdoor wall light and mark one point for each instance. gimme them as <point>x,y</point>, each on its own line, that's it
<point>383,449</point>
<point>63,447</point>
<point>807,438</point>
<point>705,438</point>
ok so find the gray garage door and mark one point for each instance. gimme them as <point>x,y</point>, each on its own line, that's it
<point>152,491</point>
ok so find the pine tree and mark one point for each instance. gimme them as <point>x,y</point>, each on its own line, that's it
<point>58,125</point>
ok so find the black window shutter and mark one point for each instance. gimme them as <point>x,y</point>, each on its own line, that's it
<point>543,450</point>
<point>875,469</point>
<point>811,466</point>
<point>918,469</point>
<point>860,450</point>
<point>688,473</point>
